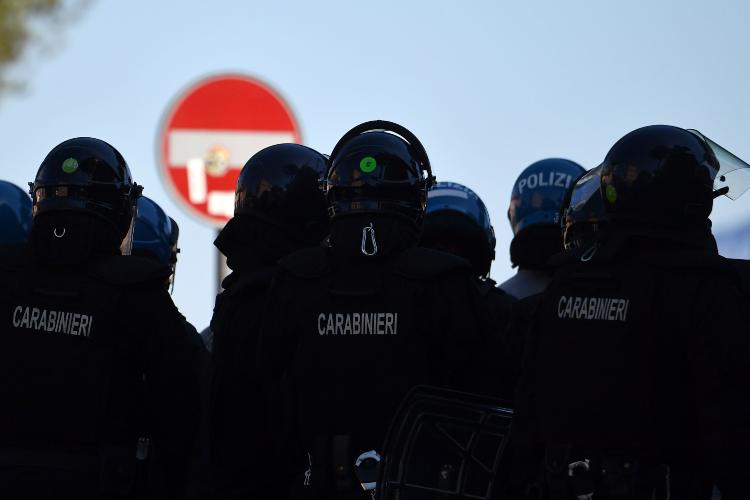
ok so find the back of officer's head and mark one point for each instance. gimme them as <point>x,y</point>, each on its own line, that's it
<point>15,214</point>
<point>376,189</point>
<point>155,235</point>
<point>84,203</point>
<point>535,204</point>
<point>279,204</point>
<point>661,178</point>
<point>457,221</point>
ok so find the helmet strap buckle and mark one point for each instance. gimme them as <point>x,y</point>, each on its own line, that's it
<point>368,232</point>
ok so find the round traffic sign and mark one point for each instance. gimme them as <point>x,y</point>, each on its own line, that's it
<point>208,134</point>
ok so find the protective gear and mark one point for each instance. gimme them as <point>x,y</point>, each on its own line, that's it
<point>280,208</point>
<point>281,185</point>
<point>667,177</point>
<point>539,191</point>
<point>155,235</point>
<point>655,314</point>
<point>174,239</point>
<point>387,324</point>
<point>379,167</point>
<point>106,343</point>
<point>457,222</point>
<point>152,236</point>
<point>87,176</point>
<point>15,214</point>
<point>444,442</point>
<point>583,216</point>
<point>622,316</point>
<point>534,210</point>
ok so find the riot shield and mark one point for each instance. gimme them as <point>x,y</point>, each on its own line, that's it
<point>443,444</point>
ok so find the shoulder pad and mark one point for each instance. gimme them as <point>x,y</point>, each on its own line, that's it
<point>692,260</point>
<point>129,270</point>
<point>487,286</point>
<point>307,263</point>
<point>253,280</point>
<point>742,268</point>
<point>419,262</point>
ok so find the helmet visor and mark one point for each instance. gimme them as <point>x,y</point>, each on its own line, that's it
<point>733,178</point>
<point>585,189</point>
<point>126,245</point>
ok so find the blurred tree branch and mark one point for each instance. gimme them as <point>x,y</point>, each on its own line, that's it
<point>20,27</point>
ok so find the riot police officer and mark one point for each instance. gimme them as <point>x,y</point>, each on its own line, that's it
<point>15,214</point>
<point>156,237</point>
<point>279,208</point>
<point>352,326</point>
<point>94,353</point>
<point>630,388</point>
<point>533,214</point>
<point>457,222</point>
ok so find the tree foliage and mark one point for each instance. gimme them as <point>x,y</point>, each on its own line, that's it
<point>19,28</point>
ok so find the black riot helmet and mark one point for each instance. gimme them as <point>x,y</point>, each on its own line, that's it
<point>667,176</point>
<point>87,176</point>
<point>379,167</point>
<point>281,185</point>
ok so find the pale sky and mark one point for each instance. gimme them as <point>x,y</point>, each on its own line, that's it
<point>489,87</point>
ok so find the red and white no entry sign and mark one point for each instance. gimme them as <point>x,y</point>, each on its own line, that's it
<point>208,134</point>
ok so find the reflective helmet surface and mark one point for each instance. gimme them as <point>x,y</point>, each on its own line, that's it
<point>449,198</point>
<point>379,167</point>
<point>15,214</point>
<point>87,175</point>
<point>539,191</point>
<point>152,235</point>
<point>659,174</point>
<point>583,214</point>
<point>281,184</point>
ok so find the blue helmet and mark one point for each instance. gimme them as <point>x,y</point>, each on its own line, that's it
<point>15,214</point>
<point>534,211</point>
<point>155,234</point>
<point>539,191</point>
<point>456,217</point>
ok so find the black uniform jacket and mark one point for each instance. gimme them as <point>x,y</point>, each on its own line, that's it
<point>93,359</point>
<point>643,353</point>
<point>346,339</point>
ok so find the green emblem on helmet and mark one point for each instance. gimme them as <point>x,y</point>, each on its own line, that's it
<point>611,193</point>
<point>70,165</point>
<point>368,164</point>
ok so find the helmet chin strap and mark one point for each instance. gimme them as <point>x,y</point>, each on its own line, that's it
<point>369,231</point>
